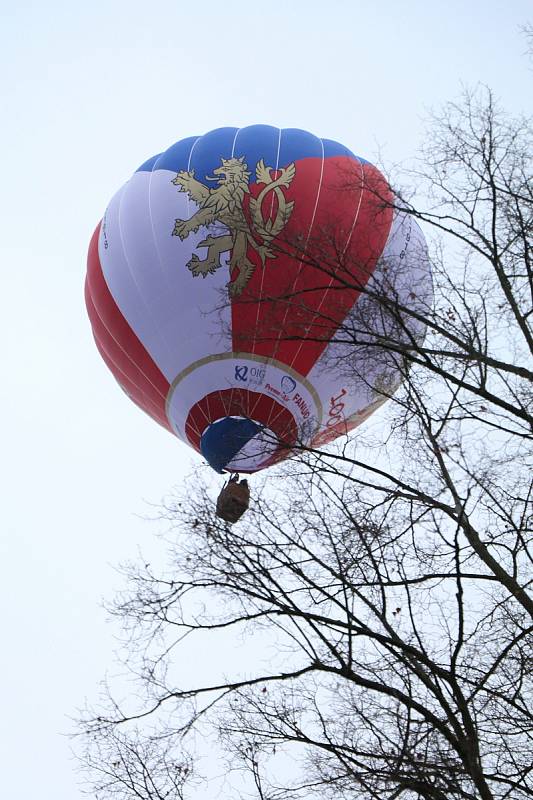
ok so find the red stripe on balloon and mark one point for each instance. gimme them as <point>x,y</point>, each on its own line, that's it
<point>124,354</point>
<point>291,312</point>
<point>143,401</point>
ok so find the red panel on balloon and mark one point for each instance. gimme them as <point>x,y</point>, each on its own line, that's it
<point>326,253</point>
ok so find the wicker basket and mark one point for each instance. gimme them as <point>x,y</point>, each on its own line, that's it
<point>233,500</point>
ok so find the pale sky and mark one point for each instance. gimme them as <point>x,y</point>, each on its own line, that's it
<point>89,92</point>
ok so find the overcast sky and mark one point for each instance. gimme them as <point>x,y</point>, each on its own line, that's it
<point>90,91</point>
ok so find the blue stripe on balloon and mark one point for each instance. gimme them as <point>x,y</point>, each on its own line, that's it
<point>297,144</point>
<point>257,142</point>
<point>332,149</point>
<point>252,143</point>
<point>209,150</point>
<point>148,165</point>
<point>176,158</point>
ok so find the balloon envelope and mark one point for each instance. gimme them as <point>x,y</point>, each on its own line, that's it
<point>222,275</point>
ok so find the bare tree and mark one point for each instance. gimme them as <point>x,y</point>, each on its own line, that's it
<point>393,574</point>
<point>127,765</point>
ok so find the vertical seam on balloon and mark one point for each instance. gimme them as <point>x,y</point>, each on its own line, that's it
<point>316,313</point>
<point>188,217</point>
<point>234,140</point>
<point>162,270</point>
<point>358,206</point>
<point>263,269</point>
<point>262,281</point>
<point>305,247</point>
<point>226,405</point>
<point>193,423</point>
<point>207,412</point>
<point>193,426</point>
<point>229,280</point>
<point>188,170</point>
<point>205,415</point>
<point>198,405</point>
<point>154,238</point>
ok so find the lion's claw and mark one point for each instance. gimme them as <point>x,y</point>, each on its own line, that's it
<point>181,229</point>
<point>234,288</point>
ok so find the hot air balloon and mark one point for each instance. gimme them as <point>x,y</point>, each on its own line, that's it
<point>221,274</point>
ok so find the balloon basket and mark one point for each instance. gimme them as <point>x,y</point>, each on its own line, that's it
<point>233,500</point>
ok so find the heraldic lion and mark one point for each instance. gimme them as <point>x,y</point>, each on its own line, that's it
<point>224,204</point>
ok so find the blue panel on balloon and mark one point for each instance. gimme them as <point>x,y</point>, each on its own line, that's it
<point>222,440</point>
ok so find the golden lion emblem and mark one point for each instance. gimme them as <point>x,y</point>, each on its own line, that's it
<point>224,204</point>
